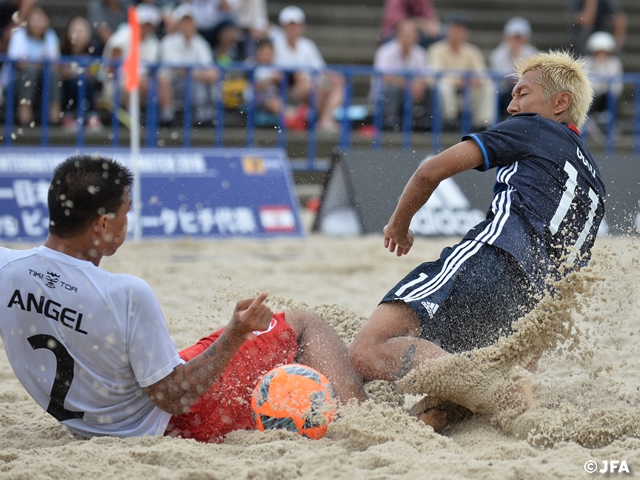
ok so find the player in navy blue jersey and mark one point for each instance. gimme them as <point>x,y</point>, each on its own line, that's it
<point>547,207</point>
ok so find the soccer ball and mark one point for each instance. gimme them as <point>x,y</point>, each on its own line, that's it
<point>295,398</point>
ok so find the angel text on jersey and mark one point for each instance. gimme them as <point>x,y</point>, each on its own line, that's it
<point>586,163</point>
<point>52,278</point>
<point>50,309</point>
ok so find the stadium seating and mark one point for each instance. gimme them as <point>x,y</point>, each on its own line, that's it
<point>347,33</point>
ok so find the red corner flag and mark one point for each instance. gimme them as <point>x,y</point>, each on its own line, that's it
<point>132,62</point>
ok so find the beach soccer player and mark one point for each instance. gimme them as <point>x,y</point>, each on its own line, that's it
<point>547,207</point>
<point>92,349</point>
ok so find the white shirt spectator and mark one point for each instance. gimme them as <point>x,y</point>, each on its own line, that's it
<point>207,13</point>
<point>24,47</point>
<point>121,39</point>
<point>176,50</point>
<point>389,57</point>
<point>306,54</point>
<point>610,67</point>
<point>502,59</point>
<point>251,14</point>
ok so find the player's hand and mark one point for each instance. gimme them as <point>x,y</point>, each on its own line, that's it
<point>398,241</point>
<point>249,315</point>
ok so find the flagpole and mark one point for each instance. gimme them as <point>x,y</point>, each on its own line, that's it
<point>132,85</point>
<point>134,109</point>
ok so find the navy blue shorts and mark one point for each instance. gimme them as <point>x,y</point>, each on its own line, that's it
<point>468,298</point>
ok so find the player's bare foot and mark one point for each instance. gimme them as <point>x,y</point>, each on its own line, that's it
<point>438,414</point>
<point>435,418</point>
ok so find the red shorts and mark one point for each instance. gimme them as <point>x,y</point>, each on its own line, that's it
<point>226,406</point>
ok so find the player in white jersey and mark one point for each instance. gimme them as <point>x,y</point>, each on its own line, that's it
<point>548,204</point>
<point>91,347</point>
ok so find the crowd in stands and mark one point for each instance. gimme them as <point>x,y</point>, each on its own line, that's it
<point>194,42</point>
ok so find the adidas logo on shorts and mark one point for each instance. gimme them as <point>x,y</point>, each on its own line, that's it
<point>431,308</point>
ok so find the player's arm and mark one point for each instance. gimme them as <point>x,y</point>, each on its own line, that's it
<point>180,389</point>
<point>459,158</point>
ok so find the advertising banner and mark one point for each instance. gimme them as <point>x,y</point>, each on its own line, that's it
<point>195,193</point>
<point>363,188</point>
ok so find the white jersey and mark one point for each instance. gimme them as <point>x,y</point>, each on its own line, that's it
<point>84,342</point>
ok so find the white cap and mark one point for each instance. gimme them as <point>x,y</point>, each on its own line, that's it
<point>601,41</point>
<point>291,14</point>
<point>148,13</point>
<point>518,27</point>
<point>184,10</point>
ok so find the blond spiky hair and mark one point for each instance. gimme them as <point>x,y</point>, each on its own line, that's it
<point>561,72</point>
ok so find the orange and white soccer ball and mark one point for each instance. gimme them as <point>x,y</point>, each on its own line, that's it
<point>295,398</point>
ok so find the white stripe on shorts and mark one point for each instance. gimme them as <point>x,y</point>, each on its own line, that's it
<point>502,209</point>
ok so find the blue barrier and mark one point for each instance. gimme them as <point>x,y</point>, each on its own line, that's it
<point>344,141</point>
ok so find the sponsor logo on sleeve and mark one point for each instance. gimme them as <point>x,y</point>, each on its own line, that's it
<point>272,325</point>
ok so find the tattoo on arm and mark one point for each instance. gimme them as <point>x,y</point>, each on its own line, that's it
<point>177,392</point>
<point>407,360</point>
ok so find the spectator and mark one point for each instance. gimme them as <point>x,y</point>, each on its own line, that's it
<point>185,47</point>
<point>266,79</point>
<point>12,13</point>
<point>215,22</point>
<point>225,51</point>
<point>591,16</point>
<point>402,53</point>
<point>117,48</point>
<point>105,16</point>
<point>515,46</point>
<point>30,46</point>
<point>251,17</point>
<point>166,9</point>
<point>603,64</point>
<point>457,56</point>
<point>294,51</point>
<point>421,11</point>
<point>77,43</point>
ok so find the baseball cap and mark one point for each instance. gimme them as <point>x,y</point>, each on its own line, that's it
<point>459,18</point>
<point>147,13</point>
<point>291,14</point>
<point>518,27</point>
<point>601,41</point>
<point>184,10</point>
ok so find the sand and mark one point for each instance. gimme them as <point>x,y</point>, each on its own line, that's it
<point>587,392</point>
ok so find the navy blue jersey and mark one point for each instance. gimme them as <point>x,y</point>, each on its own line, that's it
<point>548,197</point>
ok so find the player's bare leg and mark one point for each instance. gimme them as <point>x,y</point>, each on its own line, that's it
<point>388,346</point>
<point>320,347</point>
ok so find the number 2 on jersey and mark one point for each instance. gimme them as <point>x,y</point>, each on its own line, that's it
<point>64,376</point>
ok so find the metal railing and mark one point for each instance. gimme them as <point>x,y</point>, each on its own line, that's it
<point>249,111</point>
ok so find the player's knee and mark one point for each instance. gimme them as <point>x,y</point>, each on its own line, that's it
<point>362,355</point>
<point>300,321</point>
